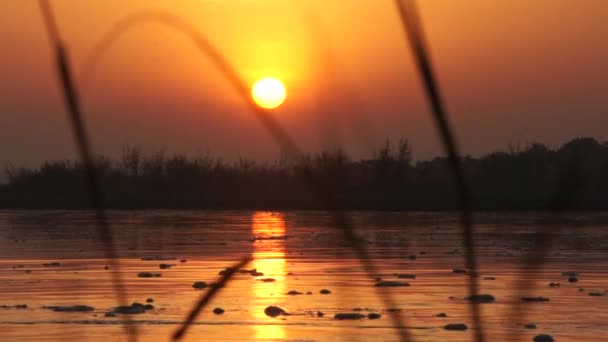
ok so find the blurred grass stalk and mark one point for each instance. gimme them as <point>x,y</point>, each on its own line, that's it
<point>412,26</point>
<point>72,102</point>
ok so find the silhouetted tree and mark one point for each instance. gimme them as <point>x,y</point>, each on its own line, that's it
<point>534,177</point>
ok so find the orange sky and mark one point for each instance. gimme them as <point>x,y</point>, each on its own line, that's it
<point>510,70</point>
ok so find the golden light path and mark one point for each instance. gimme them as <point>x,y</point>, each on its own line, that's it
<point>268,257</point>
<point>268,92</point>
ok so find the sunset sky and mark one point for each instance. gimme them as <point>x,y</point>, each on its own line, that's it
<point>510,71</point>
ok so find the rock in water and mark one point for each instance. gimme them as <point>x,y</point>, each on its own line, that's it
<point>17,306</point>
<point>148,275</point>
<point>199,285</point>
<point>51,264</point>
<point>71,308</point>
<point>348,315</point>
<point>324,291</point>
<point>129,310</point>
<point>373,315</point>
<point>391,283</point>
<point>543,338</point>
<point>267,280</point>
<point>455,326</point>
<point>225,271</point>
<point>254,272</point>
<point>133,309</point>
<point>481,298</point>
<point>274,311</point>
<point>218,311</point>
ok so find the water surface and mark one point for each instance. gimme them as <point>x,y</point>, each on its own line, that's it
<point>301,251</point>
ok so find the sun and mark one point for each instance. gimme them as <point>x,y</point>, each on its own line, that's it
<point>268,92</point>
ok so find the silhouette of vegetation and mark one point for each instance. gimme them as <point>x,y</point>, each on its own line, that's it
<point>520,179</point>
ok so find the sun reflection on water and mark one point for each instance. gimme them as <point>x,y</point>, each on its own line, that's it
<point>268,230</point>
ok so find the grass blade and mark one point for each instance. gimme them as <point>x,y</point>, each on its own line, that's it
<point>207,297</point>
<point>413,29</point>
<point>84,148</point>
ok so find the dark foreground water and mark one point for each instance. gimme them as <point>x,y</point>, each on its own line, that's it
<point>301,251</point>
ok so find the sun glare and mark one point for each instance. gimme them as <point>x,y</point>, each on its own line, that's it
<point>268,92</point>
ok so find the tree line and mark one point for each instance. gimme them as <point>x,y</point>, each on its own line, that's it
<point>573,176</point>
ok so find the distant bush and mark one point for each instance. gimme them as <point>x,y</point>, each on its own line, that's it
<point>531,178</point>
